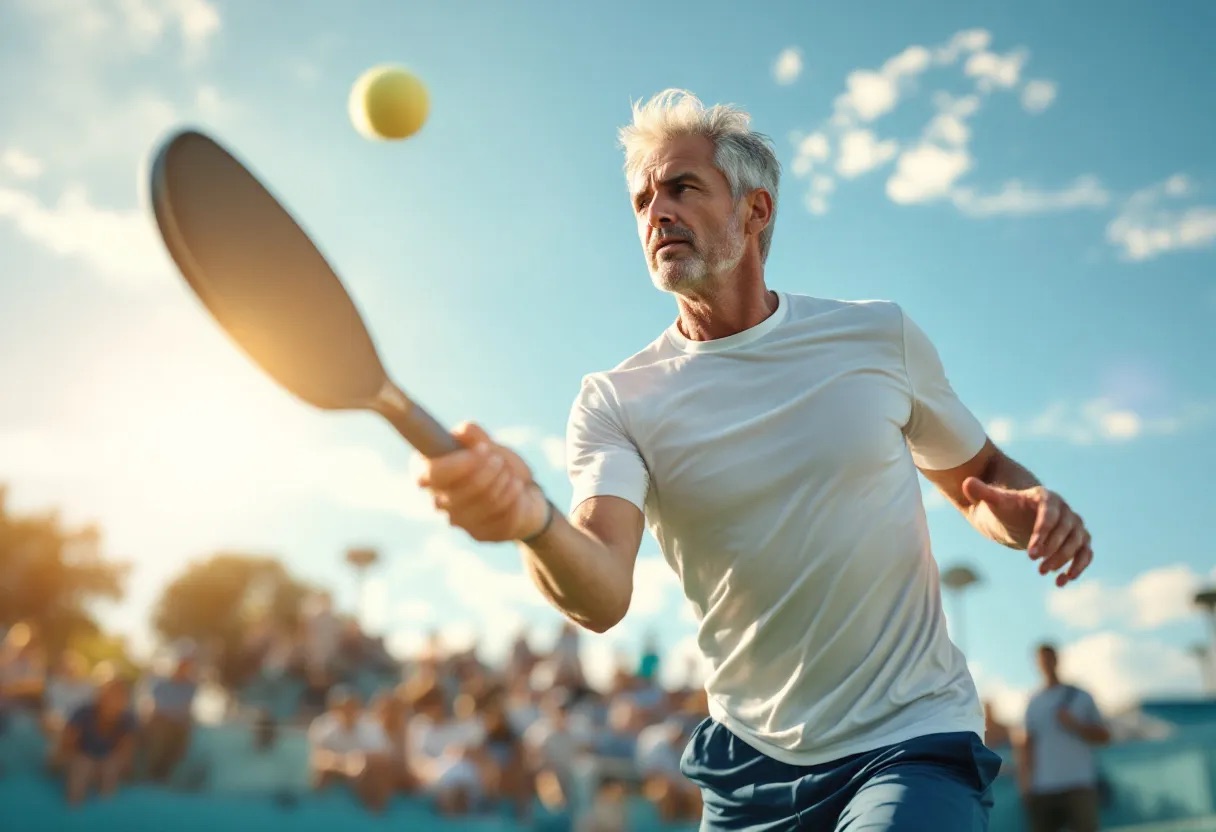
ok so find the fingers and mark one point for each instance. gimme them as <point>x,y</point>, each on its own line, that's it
<point>1066,549</point>
<point>1044,523</point>
<point>1079,564</point>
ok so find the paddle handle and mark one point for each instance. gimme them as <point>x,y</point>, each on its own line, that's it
<point>414,424</point>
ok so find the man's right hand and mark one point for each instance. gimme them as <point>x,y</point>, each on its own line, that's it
<point>485,489</point>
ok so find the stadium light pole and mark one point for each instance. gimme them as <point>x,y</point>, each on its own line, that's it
<point>957,580</point>
<point>361,559</point>
<point>1205,599</point>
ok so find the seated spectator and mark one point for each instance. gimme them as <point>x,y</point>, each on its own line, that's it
<point>608,810</point>
<point>22,671</point>
<point>551,749</point>
<point>99,740</point>
<point>68,688</point>
<point>506,772</point>
<point>659,748</point>
<point>442,751</point>
<point>349,747</point>
<point>166,712</point>
<point>391,712</point>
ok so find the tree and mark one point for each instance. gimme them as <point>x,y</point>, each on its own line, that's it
<point>49,576</point>
<point>217,600</point>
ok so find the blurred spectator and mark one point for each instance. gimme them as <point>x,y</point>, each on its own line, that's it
<point>648,662</point>
<point>320,632</point>
<point>607,812</point>
<point>521,660</point>
<point>166,710</point>
<point>996,733</point>
<point>22,670</point>
<point>567,664</point>
<point>99,740</point>
<point>68,688</point>
<point>349,747</point>
<point>442,750</point>
<point>551,749</point>
<point>1058,772</point>
<point>390,710</point>
<point>659,748</point>
<point>506,772</point>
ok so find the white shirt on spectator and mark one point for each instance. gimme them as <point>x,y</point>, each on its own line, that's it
<point>64,696</point>
<point>329,733</point>
<point>1061,761</point>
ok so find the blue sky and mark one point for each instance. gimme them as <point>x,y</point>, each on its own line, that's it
<point>1037,186</point>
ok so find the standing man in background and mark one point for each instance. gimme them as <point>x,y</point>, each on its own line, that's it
<point>772,444</point>
<point>1057,766</point>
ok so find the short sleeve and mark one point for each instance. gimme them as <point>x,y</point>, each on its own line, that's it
<point>601,459</point>
<point>1089,709</point>
<point>373,739</point>
<point>319,732</point>
<point>941,432</point>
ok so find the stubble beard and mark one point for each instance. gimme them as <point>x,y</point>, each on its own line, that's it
<point>696,269</point>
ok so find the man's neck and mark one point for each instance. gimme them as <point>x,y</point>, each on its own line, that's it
<point>731,304</point>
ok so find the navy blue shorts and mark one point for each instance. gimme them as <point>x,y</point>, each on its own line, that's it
<point>934,783</point>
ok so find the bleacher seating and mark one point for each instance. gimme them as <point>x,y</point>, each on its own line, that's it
<point>1157,786</point>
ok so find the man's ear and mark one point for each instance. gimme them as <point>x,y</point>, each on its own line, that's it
<point>759,211</point>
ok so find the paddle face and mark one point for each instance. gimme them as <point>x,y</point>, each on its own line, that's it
<point>261,276</point>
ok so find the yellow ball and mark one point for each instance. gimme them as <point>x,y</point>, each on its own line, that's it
<point>388,102</point>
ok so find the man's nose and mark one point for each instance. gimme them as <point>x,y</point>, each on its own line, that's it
<point>659,214</point>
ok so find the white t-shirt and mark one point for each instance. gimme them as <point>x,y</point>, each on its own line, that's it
<point>777,468</point>
<point>1060,759</point>
<point>329,733</point>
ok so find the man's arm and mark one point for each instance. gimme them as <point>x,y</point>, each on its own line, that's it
<point>584,565</point>
<point>1006,503</point>
<point>993,467</point>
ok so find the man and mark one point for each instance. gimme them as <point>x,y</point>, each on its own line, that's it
<point>167,711</point>
<point>99,740</point>
<point>771,442</point>
<point>1057,770</point>
<point>348,746</point>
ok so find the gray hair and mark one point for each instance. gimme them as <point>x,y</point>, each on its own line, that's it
<point>744,157</point>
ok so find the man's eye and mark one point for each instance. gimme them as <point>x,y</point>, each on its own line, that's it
<point>642,203</point>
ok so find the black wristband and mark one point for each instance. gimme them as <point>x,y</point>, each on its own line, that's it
<point>550,512</point>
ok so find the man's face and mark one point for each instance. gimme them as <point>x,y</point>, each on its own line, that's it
<point>348,710</point>
<point>688,222</point>
<point>1047,662</point>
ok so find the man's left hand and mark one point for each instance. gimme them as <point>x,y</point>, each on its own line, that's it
<point>1039,521</point>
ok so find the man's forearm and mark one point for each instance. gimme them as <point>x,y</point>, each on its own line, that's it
<point>579,575</point>
<point>1002,472</point>
<point>1093,734</point>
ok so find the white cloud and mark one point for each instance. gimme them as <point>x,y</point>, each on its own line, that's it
<point>1000,430</point>
<point>1016,199</point>
<point>138,25</point>
<point>811,150</point>
<point>969,40</point>
<point>926,172</point>
<point>861,152</point>
<point>870,94</point>
<point>1119,671</point>
<point>1153,599</point>
<point>788,66</point>
<point>20,164</point>
<point>1146,228</point>
<point>1100,421</point>
<point>1038,95</point>
<point>119,246</point>
<point>993,71</point>
<point>527,441</point>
